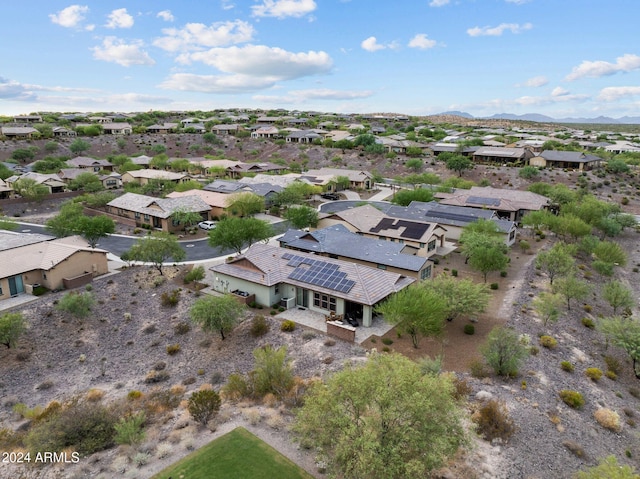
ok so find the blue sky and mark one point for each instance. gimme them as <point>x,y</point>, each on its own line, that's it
<point>561,58</point>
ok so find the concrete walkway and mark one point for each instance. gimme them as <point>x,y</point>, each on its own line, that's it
<point>382,195</point>
<point>351,195</point>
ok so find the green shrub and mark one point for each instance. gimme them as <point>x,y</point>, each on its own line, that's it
<point>84,426</point>
<point>196,274</point>
<point>494,286</point>
<point>588,323</point>
<point>173,349</point>
<point>567,366</point>
<point>181,328</point>
<point>287,326</point>
<point>387,341</point>
<point>259,326</point>
<point>203,404</point>
<point>503,274</point>
<point>494,422</point>
<point>77,304</point>
<point>613,364</point>
<point>469,329</point>
<point>273,373</point>
<point>170,299</point>
<point>454,272</point>
<point>593,373</point>
<point>478,369</point>
<point>236,387</point>
<point>129,430</point>
<point>611,375</point>
<point>571,398</point>
<point>431,366</point>
<point>133,395</point>
<point>548,342</point>
<point>534,350</point>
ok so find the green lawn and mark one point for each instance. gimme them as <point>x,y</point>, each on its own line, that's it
<point>236,455</point>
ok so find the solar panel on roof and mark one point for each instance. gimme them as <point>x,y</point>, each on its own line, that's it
<point>480,200</point>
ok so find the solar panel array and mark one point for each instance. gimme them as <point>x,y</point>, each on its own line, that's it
<point>479,200</point>
<point>319,273</point>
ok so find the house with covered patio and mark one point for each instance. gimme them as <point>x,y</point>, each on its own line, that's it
<point>296,279</point>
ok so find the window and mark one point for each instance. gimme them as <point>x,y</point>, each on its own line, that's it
<point>426,273</point>
<point>276,289</point>
<point>146,218</point>
<point>137,215</point>
<point>512,235</point>
<point>0,290</point>
<point>324,301</point>
<point>401,241</point>
<point>382,266</point>
<point>431,245</point>
<point>422,245</point>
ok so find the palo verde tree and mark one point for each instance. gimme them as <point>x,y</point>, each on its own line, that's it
<point>618,296</point>
<point>12,325</point>
<point>30,189</point>
<point>624,333</point>
<point>459,164</point>
<point>547,306</point>
<point>572,287</point>
<point>462,296</point>
<point>504,351</point>
<point>245,203</point>
<point>72,221</point>
<point>557,261</point>
<point>382,419</point>
<point>216,313</point>
<point>156,249</point>
<point>185,217</point>
<point>237,233</point>
<point>416,311</point>
<point>302,216</point>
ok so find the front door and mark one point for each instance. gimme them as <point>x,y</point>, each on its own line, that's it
<point>302,297</point>
<point>15,285</point>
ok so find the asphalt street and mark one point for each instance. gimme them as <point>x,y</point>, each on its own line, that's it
<point>196,250</point>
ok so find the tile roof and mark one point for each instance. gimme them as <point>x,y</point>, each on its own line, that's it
<point>264,264</point>
<point>158,207</point>
<point>41,255</point>
<point>211,198</point>
<point>495,198</point>
<point>338,240</point>
<point>156,174</point>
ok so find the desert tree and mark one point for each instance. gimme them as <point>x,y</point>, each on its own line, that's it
<point>302,216</point>
<point>556,261</point>
<point>30,189</point>
<point>572,287</point>
<point>547,307</point>
<point>12,325</point>
<point>203,405</point>
<point>416,311</point>
<point>383,418</point>
<point>237,233</point>
<point>156,249</point>
<point>624,333</point>
<point>462,296</point>
<point>503,351</point>
<point>185,217</point>
<point>217,313</point>
<point>618,295</point>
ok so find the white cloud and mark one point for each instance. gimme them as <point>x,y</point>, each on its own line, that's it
<point>166,15</point>
<point>12,90</point>
<point>260,60</point>
<point>499,30</point>
<point>284,8</point>
<point>216,83</point>
<point>302,96</point>
<point>71,17</point>
<point>117,51</point>
<point>227,5</point>
<point>194,36</point>
<point>559,91</point>
<point>535,82</point>
<point>119,19</point>
<point>625,63</point>
<point>613,93</point>
<point>438,3</point>
<point>421,41</point>
<point>371,45</point>
<point>518,2</point>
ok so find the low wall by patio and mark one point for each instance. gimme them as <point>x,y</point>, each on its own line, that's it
<point>341,331</point>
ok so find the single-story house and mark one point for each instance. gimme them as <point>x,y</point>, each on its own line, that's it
<point>117,128</point>
<point>227,186</point>
<point>303,136</point>
<point>151,212</point>
<point>217,201</point>
<point>566,159</point>
<point>226,129</point>
<point>486,154</point>
<point>62,132</point>
<point>452,218</point>
<point>339,243</point>
<point>31,260</point>
<point>240,169</point>
<point>144,176</point>
<point>52,181</point>
<point>297,279</point>
<point>420,238</point>
<point>27,119</point>
<point>392,145</point>
<point>18,131</point>
<point>508,204</point>
<point>265,132</point>
<point>162,129</point>
<point>442,147</point>
<point>142,160</point>
<point>358,179</point>
<point>90,164</point>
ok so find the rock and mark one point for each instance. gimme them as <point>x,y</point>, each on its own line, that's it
<point>484,396</point>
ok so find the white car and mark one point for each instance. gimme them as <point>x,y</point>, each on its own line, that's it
<point>207,225</point>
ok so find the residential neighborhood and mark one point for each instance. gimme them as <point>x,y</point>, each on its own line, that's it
<point>335,239</point>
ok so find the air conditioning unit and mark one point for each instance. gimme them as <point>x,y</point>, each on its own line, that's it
<point>288,303</point>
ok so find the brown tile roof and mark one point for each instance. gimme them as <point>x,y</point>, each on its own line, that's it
<point>158,207</point>
<point>264,264</point>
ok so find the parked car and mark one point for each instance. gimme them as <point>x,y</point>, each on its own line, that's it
<point>330,196</point>
<point>207,225</point>
<point>352,321</point>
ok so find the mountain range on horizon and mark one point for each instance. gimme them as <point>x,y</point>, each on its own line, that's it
<point>625,120</point>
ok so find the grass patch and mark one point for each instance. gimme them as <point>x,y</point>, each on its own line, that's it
<point>226,457</point>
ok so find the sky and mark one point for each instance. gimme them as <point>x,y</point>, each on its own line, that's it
<point>561,58</point>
